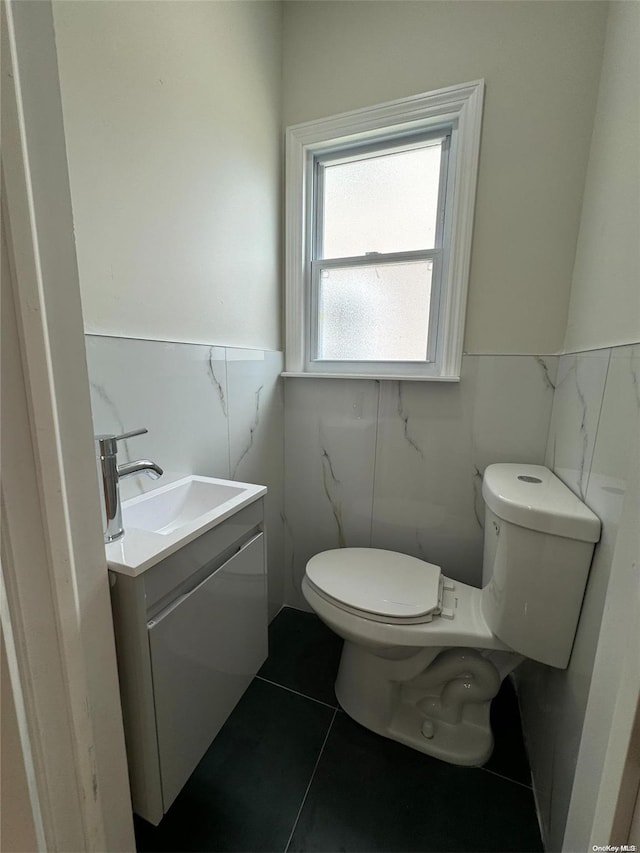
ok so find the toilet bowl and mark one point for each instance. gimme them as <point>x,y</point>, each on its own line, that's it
<point>399,675</point>
<point>424,654</point>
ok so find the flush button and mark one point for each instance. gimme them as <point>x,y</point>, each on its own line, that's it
<point>527,479</point>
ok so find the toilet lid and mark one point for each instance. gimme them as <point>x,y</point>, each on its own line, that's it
<point>376,581</point>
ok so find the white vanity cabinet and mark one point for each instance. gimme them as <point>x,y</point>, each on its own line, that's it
<point>191,632</point>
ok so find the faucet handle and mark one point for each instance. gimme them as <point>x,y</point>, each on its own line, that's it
<point>132,433</point>
<point>108,443</point>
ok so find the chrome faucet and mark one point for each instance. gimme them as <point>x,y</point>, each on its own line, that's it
<point>112,473</point>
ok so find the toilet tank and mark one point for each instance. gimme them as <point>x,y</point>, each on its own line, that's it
<point>538,543</point>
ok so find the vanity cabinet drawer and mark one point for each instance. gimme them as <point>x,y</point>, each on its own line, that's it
<point>205,648</point>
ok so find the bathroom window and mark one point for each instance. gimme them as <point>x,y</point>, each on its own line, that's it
<point>379,215</point>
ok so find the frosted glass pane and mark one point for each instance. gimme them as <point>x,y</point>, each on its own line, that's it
<point>386,203</point>
<point>374,313</point>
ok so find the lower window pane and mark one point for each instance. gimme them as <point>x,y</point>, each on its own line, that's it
<point>374,313</point>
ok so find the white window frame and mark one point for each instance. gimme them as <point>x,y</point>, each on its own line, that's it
<point>458,108</point>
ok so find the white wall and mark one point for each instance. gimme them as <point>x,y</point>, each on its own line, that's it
<point>173,123</point>
<point>172,117</point>
<point>593,446</point>
<point>541,63</point>
<point>17,828</point>
<point>614,693</point>
<point>54,567</point>
<point>605,297</point>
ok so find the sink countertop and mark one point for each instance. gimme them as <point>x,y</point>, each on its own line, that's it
<point>180,519</point>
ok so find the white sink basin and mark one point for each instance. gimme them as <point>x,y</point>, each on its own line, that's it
<point>161,521</point>
<point>165,510</point>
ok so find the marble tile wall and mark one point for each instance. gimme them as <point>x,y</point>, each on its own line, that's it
<point>398,465</point>
<point>574,419</point>
<point>593,437</point>
<point>216,411</point>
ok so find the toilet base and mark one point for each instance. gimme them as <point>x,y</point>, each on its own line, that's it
<point>435,701</point>
<point>468,743</point>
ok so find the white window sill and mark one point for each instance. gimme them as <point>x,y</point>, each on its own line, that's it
<point>397,378</point>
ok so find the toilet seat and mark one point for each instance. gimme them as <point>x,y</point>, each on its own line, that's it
<point>383,586</point>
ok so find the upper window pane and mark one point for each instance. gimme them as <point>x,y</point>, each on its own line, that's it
<point>384,202</point>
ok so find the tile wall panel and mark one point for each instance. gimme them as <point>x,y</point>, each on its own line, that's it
<point>434,442</point>
<point>256,444</point>
<point>424,500</point>
<point>210,410</point>
<point>411,457</point>
<point>575,415</point>
<point>595,431</point>
<point>330,445</point>
<point>177,391</point>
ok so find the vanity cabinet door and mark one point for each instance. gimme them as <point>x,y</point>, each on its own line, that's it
<point>205,649</point>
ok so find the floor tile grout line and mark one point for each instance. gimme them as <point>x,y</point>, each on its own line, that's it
<point>336,708</point>
<point>297,692</point>
<point>506,778</point>
<point>313,773</point>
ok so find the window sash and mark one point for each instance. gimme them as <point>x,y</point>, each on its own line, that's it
<point>388,145</point>
<point>317,263</point>
<point>317,364</point>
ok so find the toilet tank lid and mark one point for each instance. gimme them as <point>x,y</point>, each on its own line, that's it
<point>531,496</point>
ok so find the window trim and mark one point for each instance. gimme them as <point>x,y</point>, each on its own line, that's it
<point>457,106</point>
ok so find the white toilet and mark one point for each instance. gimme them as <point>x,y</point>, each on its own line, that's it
<point>424,655</point>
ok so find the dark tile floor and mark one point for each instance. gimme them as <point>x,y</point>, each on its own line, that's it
<point>290,771</point>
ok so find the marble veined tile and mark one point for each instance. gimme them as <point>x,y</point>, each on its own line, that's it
<point>616,445</point>
<point>256,441</point>
<point>512,401</point>
<point>177,391</point>
<point>574,419</point>
<point>618,437</point>
<point>434,442</point>
<point>330,438</point>
<point>424,496</point>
